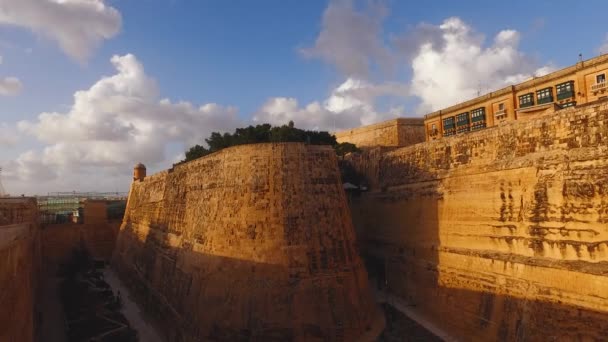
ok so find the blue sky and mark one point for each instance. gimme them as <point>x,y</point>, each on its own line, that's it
<point>324,64</point>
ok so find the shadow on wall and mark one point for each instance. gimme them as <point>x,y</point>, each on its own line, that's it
<point>193,295</point>
<point>254,242</point>
<point>60,240</point>
<point>469,252</point>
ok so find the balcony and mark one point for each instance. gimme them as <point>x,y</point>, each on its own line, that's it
<point>565,95</point>
<point>500,113</point>
<point>599,87</point>
<point>544,100</point>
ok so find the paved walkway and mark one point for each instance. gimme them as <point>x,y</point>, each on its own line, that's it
<point>133,314</point>
<point>401,305</point>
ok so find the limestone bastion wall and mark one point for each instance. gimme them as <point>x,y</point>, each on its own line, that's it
<point>19,263</point>
<point>394,133</point>
<point>254,242</point>
<point>59,241</point>
<point>500,234</point>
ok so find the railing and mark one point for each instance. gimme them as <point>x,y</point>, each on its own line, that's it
<point>599,86</point>
<point>500,113</point>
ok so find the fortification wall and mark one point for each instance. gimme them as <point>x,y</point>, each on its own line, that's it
<point>19,263</point>
<point>393,133</point>
<point>253,242</point>
<point>60,240</point>
<point>500,234</point>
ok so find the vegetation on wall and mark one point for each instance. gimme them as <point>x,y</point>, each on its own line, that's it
<point>267,133</point>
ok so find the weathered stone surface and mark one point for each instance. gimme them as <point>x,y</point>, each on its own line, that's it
<point>254,242</point>
<point>60,240</point>
<point>392,133</point>
<point>500,234</point>
<point>19,264</point>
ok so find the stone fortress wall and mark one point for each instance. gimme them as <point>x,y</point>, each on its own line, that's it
<point>500,234</point>
<point>254,242</point>
<point>97,234</point>
<point>19,266</point>
<point>30,253</point>
<point>394,133</point>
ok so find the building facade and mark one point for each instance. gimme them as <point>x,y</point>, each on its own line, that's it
<point>579,84</point>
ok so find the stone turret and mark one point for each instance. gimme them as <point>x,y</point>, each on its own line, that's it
<point>139,172</point>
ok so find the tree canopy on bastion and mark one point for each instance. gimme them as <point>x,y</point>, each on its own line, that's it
<point>267,133</point>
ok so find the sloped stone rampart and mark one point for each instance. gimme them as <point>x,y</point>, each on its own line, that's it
<point>253,242</point>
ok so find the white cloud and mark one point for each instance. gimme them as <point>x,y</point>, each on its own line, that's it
<point>78,26</point>
<point>452,64</point>
<point>8,135</point>
<point>28,167</point>
<point>350,105</point>
<point>10,86</point>
<point>118,121</point>
<point>351,39</point>
<point>449,62</point>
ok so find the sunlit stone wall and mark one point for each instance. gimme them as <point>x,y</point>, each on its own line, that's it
<point>253,242</point>
<point>394,133</point>
<point>496,235</point>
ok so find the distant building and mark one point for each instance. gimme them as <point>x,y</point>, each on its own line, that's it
<point>579,84</point>
<point>62,207</point>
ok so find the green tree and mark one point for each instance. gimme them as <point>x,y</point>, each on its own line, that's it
<point>266,133</point>
<point>345,148</point>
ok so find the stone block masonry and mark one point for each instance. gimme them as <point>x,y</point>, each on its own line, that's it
<point>19,265</point>
<point>254,242</point>
<point>500,234</point>
<point>392,133</point>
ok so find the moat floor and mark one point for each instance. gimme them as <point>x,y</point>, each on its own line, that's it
<point>145,331</point>
<point>51,315</point>
<point>400,328</point>
<point>403,323</point>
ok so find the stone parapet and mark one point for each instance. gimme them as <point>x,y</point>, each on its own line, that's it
<point>392,133</point>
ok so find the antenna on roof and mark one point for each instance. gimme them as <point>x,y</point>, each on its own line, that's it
<point>580,57</point>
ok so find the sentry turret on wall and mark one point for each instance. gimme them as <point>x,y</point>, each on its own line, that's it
<point>139,172</point>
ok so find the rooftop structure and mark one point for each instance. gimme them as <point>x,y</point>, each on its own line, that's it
<point>391,133</point>
<point>578,84</point>
<point>59,207</point>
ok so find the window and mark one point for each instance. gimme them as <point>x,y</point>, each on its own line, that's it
<point>565,90</point>
<point>433,130</point>
<point>462,122</point>
<point>601,78</point>
<point>449,127</point>
<point>544,96</point>
<point>501,106</point>
<point>526,100</point>
<point>568,104</point>
<point>478,118</point>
